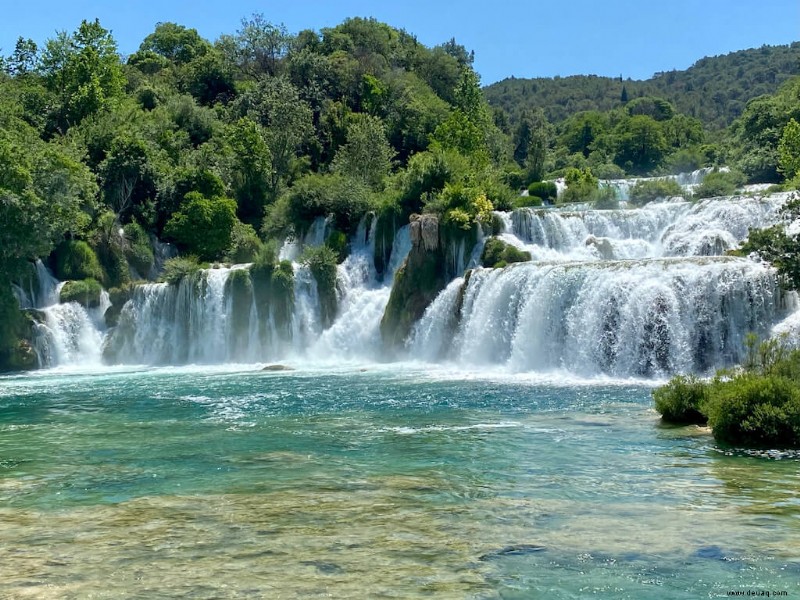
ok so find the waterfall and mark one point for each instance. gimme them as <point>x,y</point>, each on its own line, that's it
<point>623,318</point>
<point>228,315</point>
<point>292,248</point>
<point>68,334</point>
<point>641,292</point>
<point>362,298</point>
<point>644,292</point>
<point>706,228</point>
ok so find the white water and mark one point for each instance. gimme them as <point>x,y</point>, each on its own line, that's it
<point>619,293</point>
<point>622,318</point>
<point>674,228</point>
<point>197,321</point>
<point>68,334</point>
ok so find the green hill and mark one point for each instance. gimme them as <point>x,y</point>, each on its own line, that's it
<point>714,89</point>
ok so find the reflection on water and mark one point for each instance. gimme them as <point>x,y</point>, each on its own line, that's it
<point>209,485</point>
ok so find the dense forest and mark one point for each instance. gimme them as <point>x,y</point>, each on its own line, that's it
<point>225,148</point>
<point>715,89</point>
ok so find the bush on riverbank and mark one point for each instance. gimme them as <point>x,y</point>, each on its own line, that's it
<point>646,191</point>
<point>757,405</point>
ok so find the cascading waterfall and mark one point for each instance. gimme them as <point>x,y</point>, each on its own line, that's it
<point>623,318</point>
<point>224,315</point>
<point>707,228</point>
<point>640,292</point>
<point>585,306</point>
<point>362,297</point>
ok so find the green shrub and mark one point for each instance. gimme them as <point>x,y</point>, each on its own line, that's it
<point>605,198</point>
<point>85,292</point>
<point>337,241</point>
<point>528,201</point>
<point>643,192</point>
<point>719,183</point>
<point>316,195</point>
<point>245,244</point>
<point>608,171</point>
<point>138,251</point>
<point>755,410</point>
<point>546,190</point>
<point>682,400</point>
<point>581,185</point>
<point>498,254</point>
<point>75,259</point>
<point>175,269</point>
<point>203,226</point>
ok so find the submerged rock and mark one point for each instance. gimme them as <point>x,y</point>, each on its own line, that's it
<point>513,550</point>
<point>278,368</point>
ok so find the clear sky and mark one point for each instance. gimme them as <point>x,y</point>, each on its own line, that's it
<point>534,38</point>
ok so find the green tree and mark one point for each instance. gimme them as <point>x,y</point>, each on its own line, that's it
<point>84,71</point>
<point>24,59</point>
<point>287,120</point>
<point>203,226</point>
<point>367,155</point>
<point>176,43</point>
<point>789,150</point>
<point>639,143</point>
<point>251,168</point>
<point>260,47</point>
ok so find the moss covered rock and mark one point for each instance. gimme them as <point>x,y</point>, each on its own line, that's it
<point>85,292</point>
<point>417,282</point>
<point>321,261</point>
<point>497,254</point>
<point>118,297</point>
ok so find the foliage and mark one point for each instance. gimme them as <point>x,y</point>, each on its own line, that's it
<point>245,244</point>
<point>176,269</point>
<point>755,406</point>
<point>682,400</point>
<point>719,183</point>
<point>366,155</point>
<point>605,198</point>
<point>203,226</point>
<point>581,185</point>
<point>545,190</point>
<point>780,249</point>
<point>138,250</point>
<point>83,71</point>
<point>528,201</point>
<point>714,89</point>
<point>75,259</point>
<point>85,292</point>
<point>789,150</point>
<point>315,196</point>
<point>645,191</point>
<point>498,254</point>
<point>755,410</point>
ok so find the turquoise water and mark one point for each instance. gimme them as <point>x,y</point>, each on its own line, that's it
<point>389,482</point>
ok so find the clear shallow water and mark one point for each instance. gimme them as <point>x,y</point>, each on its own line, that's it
<point>385,482</point>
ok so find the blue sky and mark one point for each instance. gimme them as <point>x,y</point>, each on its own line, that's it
<point>525,39</point>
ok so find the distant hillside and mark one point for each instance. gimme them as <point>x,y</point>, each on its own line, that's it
<point>714,89</point>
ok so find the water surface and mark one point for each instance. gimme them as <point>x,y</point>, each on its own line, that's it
<point>385,482</point>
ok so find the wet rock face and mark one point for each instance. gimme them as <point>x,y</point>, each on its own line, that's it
<point>416,283</point>
<point>425,232</point>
